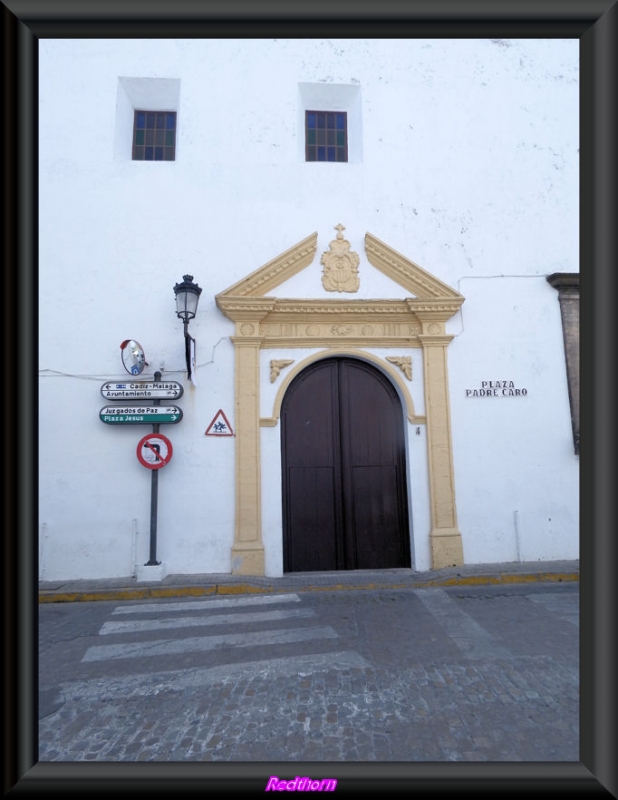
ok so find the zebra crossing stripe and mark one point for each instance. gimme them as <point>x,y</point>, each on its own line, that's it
<point>201,643</point>
<point>200,605</point>
<point>471,638</point>
<point>152,683</point>
<point>238,618</point>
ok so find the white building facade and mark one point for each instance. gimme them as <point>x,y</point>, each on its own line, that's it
<point>415,268</point>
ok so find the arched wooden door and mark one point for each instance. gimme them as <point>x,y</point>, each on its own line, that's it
<point>344,476</point>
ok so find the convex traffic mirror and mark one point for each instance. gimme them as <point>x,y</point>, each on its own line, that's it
<point>133,357</point>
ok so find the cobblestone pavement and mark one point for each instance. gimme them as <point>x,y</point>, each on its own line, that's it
<point>458,674</point>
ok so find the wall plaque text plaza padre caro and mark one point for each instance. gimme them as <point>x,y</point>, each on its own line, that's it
<point>497,389</point>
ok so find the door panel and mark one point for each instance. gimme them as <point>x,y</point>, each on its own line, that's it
<point>312,472</point>
<point>343,458</point>
<point>375,513</point>
<point>312,509</point>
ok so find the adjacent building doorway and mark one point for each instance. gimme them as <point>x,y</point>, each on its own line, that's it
<point>344,470</point>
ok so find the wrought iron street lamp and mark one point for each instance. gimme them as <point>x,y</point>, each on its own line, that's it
<point>187,299</point>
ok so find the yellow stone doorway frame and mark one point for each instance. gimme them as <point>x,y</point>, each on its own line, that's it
<point>264,322</point>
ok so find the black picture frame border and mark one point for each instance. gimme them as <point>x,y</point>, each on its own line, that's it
<point>595,24</point>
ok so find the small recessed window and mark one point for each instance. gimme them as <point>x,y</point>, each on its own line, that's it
<point>154,136</point>
<point>326,136</point>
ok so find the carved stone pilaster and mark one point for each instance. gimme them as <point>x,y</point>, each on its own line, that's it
<point>248,549</point>
<point>567,284</point>
<point>445,538</point>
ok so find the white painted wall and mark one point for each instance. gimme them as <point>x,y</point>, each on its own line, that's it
<point>467,164</point>
<point>513,454</point>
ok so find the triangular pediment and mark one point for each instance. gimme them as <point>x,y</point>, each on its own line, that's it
<point>416,281</point>
<point>276,272</point>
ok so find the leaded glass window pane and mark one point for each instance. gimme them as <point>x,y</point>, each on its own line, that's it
<point>157,131</point>
<point>329,131</point>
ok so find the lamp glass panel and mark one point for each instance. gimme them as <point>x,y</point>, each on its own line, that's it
<point>186,304</point>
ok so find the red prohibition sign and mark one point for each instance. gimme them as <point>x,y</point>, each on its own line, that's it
<point>154,450</point>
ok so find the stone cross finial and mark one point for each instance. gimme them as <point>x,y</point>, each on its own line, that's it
<point>340,228</point>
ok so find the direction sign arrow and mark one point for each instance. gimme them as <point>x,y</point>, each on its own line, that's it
<point>142,390</point>
<point>140,415</point>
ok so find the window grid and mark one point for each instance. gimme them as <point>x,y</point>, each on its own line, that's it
<point>154,136</point>
<point>326,136</point>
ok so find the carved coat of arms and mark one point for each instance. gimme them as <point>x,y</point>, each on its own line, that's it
<point>340,273</point>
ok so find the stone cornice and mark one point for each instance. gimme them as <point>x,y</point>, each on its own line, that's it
<point>564,281</point>
<point>245,308</point>
<point>279,322</point>
<point>353,339</point>
<point>436,340</point>
<point>340,308</point>
<point>441,309</point>
<point>285,308</point>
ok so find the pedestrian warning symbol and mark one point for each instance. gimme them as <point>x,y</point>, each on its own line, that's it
<point>219,426</point>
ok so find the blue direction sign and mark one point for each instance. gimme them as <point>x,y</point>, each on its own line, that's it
<point>140,415</point>
<point>142,390</point>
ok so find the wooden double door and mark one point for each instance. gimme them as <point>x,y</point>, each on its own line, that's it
<point>344,475</point>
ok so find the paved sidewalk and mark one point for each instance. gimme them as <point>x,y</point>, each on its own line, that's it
<point>208,584</point>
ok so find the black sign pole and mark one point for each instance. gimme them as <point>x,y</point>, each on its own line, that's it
<point>154,492</point>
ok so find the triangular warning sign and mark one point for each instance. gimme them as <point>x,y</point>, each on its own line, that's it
<point>219,426</point>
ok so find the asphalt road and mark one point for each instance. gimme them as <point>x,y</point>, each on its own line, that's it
<point>412,675</point>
